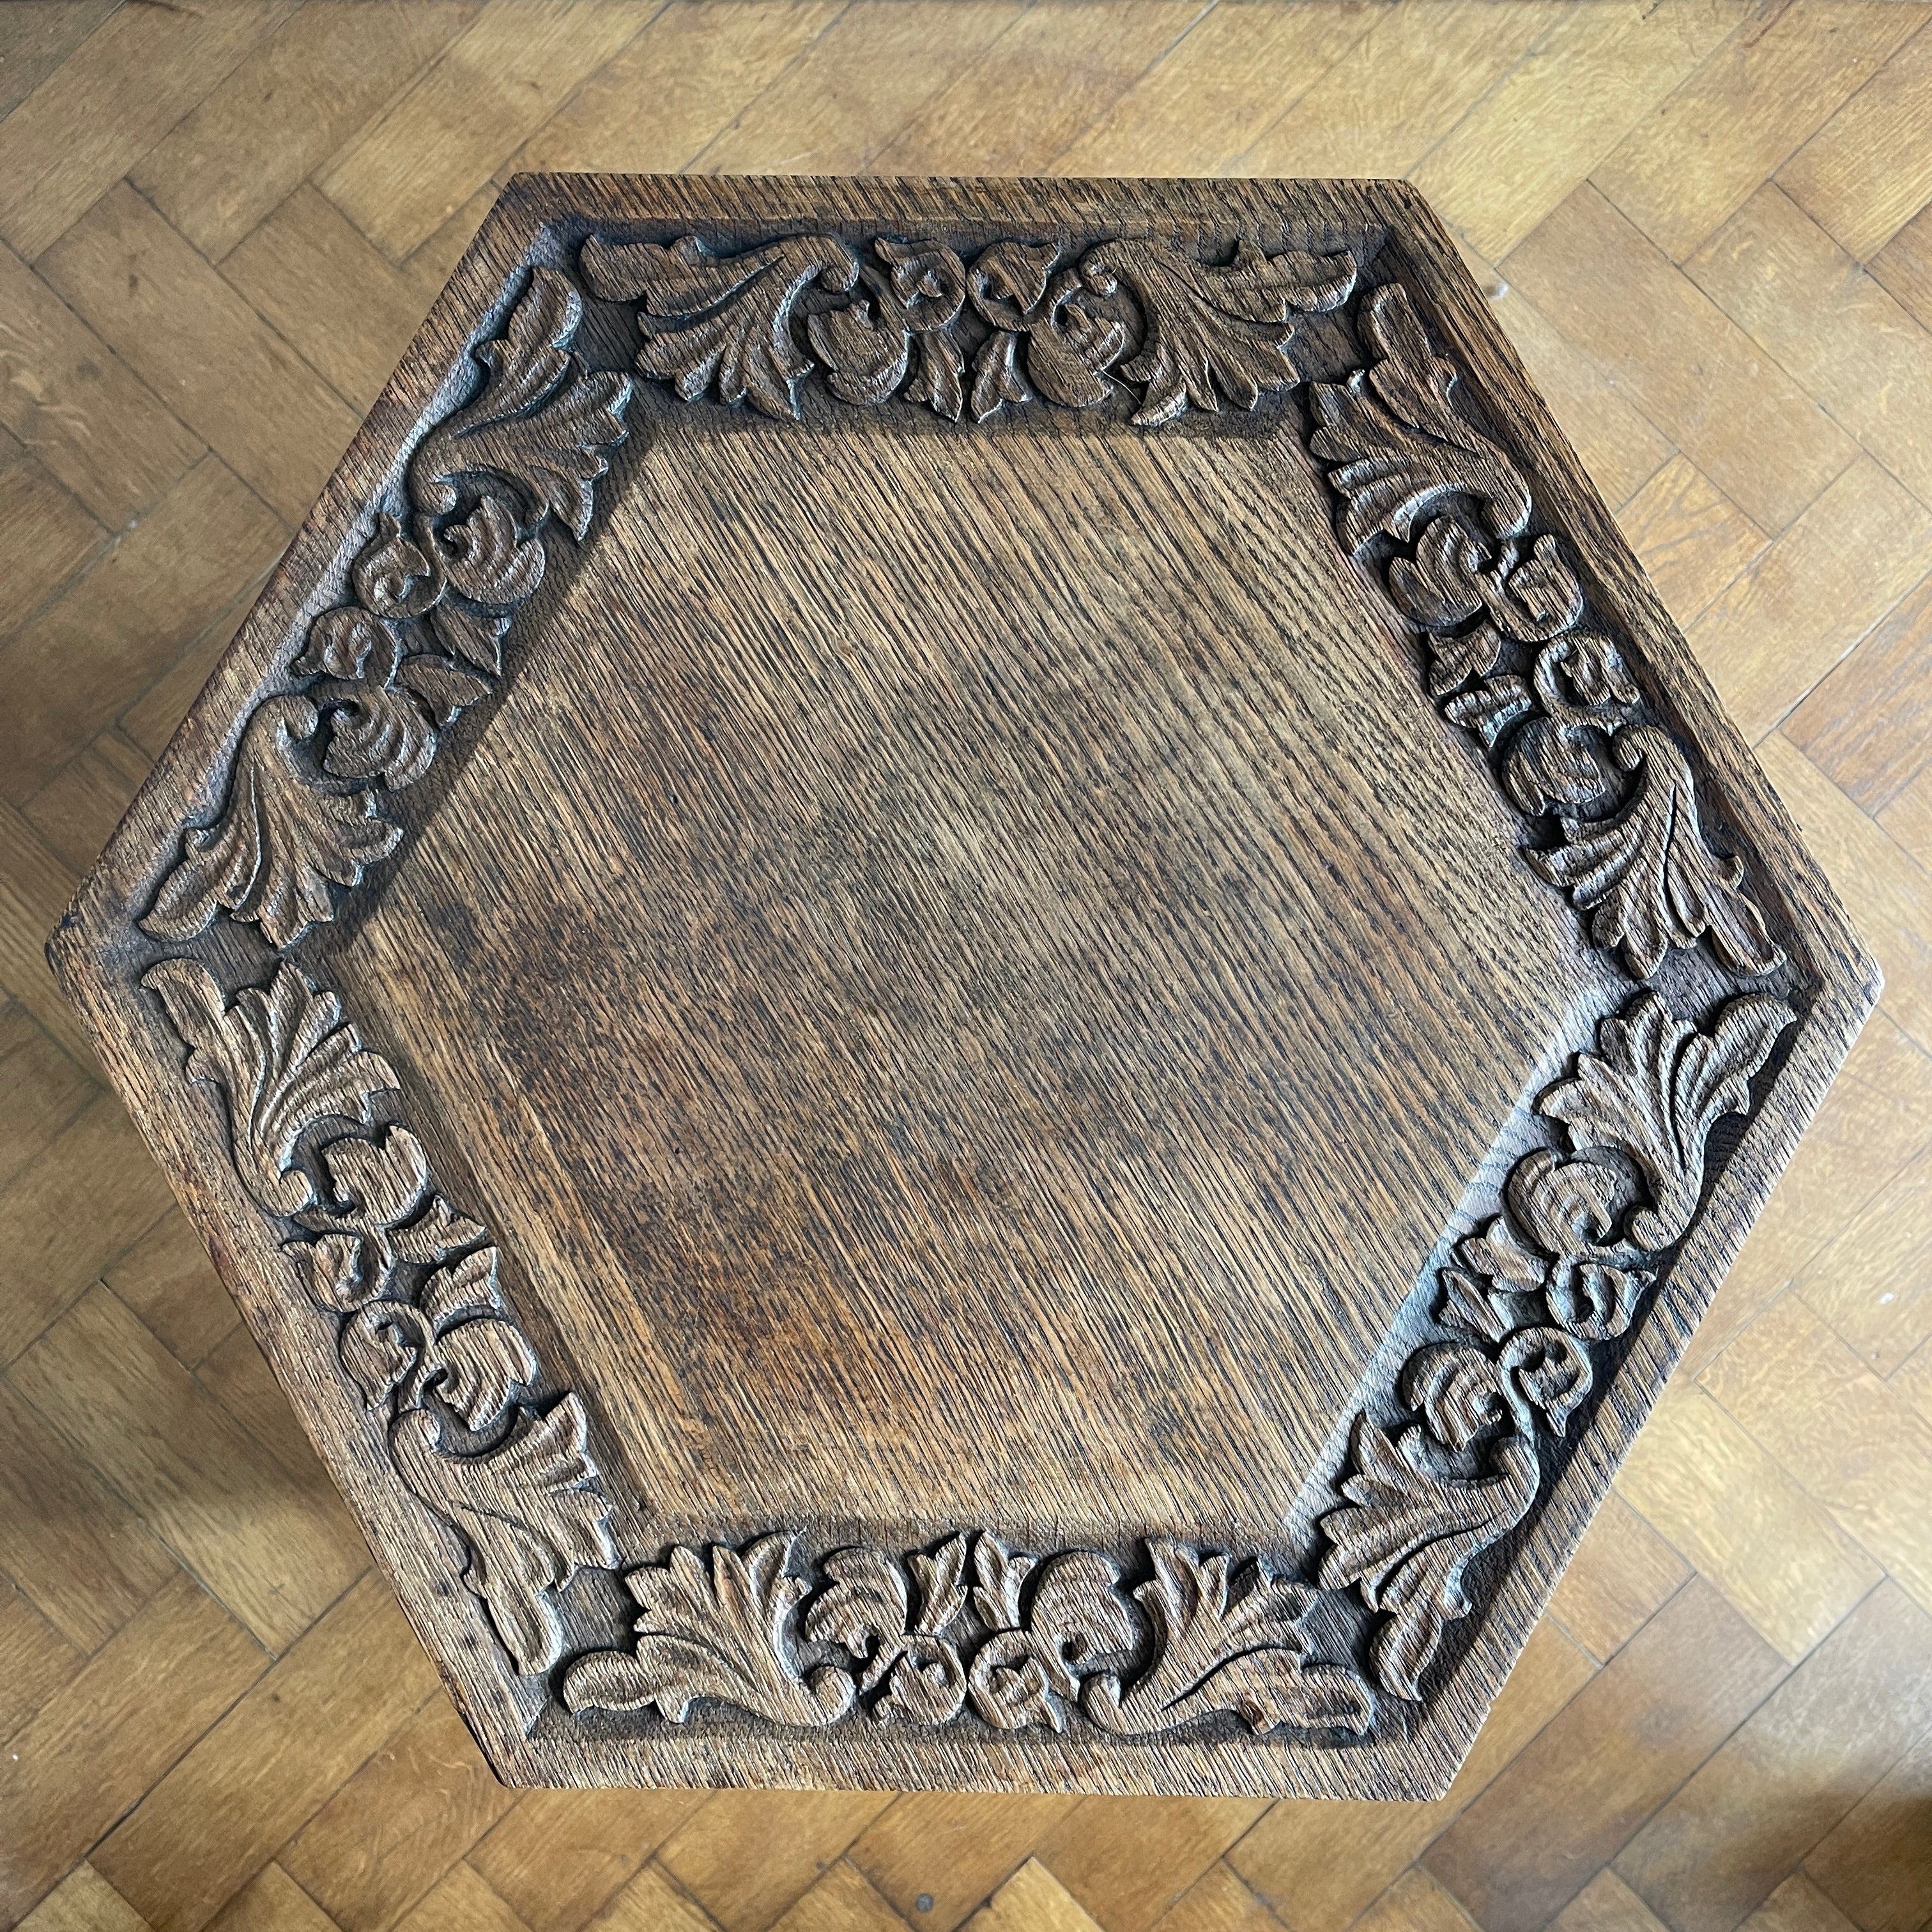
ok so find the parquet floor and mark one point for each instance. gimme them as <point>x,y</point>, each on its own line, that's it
<point>1708,225</point>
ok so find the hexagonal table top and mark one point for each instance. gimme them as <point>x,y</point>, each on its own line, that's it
<point>967,985</point>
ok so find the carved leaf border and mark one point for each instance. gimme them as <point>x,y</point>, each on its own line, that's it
<point>424,1330</point>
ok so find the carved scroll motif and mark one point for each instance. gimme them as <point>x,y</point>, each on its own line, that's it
<point>966,1629</point>
<point>1562,1270</point>
<point>905,1641</point>
<point>423,1330</point>
<point>1027,317</point>
<point>1551,701</point>
<point>419,642</point>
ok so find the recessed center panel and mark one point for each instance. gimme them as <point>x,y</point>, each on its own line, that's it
<point>961,990</point>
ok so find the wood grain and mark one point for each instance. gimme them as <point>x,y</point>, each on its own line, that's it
<point>1782,73</point>
<point>997,1046</point>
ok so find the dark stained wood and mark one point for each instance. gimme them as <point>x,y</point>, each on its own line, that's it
<point>984,928</point>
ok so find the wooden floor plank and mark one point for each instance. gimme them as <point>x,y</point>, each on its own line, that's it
<point>272,1761</point>
<point>1538,132</point>
<point>1200,108</point>
<point>1803,603</point>
<point>1787,1775</point>
<point>1720,1497</point>
<point>389,1835</point>
<point>724,53</point>
<point>1765,443</point>
<point>101,1741</point>
<point>1796,293</point>
<point>79,664</point>
<point>302,94</point>
<point>101,111</point>
<point>475,104</point>
<point>1623,1573</point>
<point>559,1856</point>
<point>1319,1866</point>
<point>1569,1803</point>
<point>1868,170</point>
<point>1680,173</point>
<point>1398,89</point>
<point>275,1555</point>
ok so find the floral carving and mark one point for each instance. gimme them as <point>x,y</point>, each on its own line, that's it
<point>1646,876</point>
<point>1398,447</point>
<point>1016,289</point>
<point>383,675</point>
<point>1226,1640</point>
<point>1410,470</point>
<point>720,1629</point>
<point>1032,1638</point>
<point>283,1059</point>
<point>967,1625</point>
<point>1655,1092</point>
<point>733,312</point>
<point>918,295</point>
<point>1045,1616</point>
<point>1208,328</point>
<point>541,424</point>
<point>1577,1245</point>
<point>434,595</point>
<point>1027,320</point>
<point>423,1331</point>
<point>280,842</point>
<point>893,1627</point>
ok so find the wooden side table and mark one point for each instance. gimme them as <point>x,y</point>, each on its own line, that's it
<point>967,985</point>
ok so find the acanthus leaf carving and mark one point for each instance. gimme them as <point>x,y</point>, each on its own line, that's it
<point>721,1630</point>
<point>394,578</point>
<point>541,427</point>
<point>1655,1091</point>
<point>375,1185</point>
<point>541,422</point>
<point>1397,448</point>
<point>1397,452</point>
<point>531,1510</point>
<point>349,643</point>
<point>741,338</point>
<point>1052,1634</point>
<point>1408,1532</point>
<point>1211,331</point>
<point>1646,876</point>
<point>1226,1641</point>
<point>280,843</point>
<point>444,688</point>
<point>284,1059</point>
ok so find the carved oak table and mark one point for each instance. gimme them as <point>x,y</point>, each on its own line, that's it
<point>967,985</point>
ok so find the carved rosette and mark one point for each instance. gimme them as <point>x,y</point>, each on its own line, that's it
<point>1538,1299</point>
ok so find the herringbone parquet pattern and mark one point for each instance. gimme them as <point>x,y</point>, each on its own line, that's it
<point>1708,226</point>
